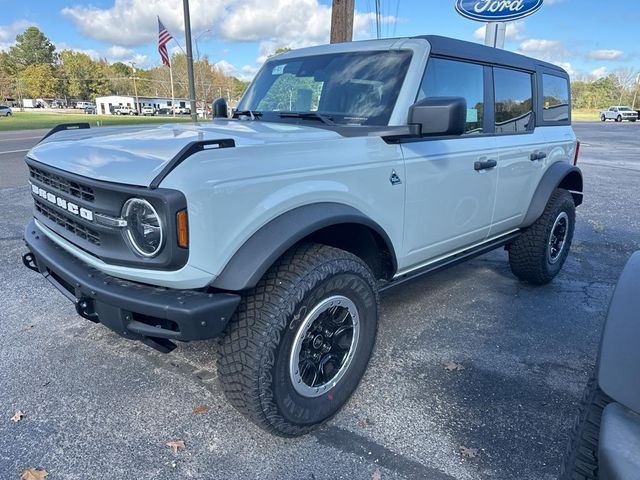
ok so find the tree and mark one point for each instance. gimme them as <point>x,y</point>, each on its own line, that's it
<point>81,77</point>
<point>32,48</point>
<point>38,81</point>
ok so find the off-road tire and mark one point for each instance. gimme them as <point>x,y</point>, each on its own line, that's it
<point>528,256</point>
<point>603,118</point>
<point>619,119</point>
<point>581,458</point>
<point>254,353</point>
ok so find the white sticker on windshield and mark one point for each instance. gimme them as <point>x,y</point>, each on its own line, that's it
<point>278,69</point>
<point>472,115</point>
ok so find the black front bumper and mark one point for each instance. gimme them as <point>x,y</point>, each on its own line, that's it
<point>153,315</point>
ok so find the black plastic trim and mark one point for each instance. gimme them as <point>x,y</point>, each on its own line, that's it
<point>188,150</point>
<point>259,252</point>
<point>110,198</point>
<point>452,260</point>
<point>551,180</point>
<point>66,126</point>
<point>133,310</point>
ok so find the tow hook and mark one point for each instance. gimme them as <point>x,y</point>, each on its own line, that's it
<point>84,307</point>
<point>29,261</point>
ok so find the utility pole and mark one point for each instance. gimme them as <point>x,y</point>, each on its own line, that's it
<point>192,85</point>
<point>135,87</point>
<point>342,20</point>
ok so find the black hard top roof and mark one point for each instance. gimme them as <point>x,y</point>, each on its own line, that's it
<point>450,47</point>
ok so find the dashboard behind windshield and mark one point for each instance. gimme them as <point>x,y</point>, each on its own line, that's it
<point>359,88</point>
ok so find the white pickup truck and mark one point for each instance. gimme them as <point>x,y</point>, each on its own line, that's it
<point>619,114</point>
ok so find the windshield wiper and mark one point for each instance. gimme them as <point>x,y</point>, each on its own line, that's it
<point>247,113</point>
<point>326,119</point>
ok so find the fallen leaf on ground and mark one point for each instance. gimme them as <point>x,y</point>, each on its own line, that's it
<point>17,416</point>
<point>468,452</point>
<point>33,474</point>
<point>377,475</point>
<point>200,409</point>
<point>176,445</point>
<point>27,327</point>
<point>453,366</point>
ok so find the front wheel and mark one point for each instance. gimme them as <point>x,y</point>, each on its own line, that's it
<point>619,119</point>
<point>538,255</point>
<point>301,340</point>
<point>581,458</point>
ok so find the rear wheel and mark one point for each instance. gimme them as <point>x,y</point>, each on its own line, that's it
<point>538,255</point>
<point>603,118</point>
<point>301,340</point>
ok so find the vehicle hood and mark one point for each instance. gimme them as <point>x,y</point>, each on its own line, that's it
<point>136,155</point>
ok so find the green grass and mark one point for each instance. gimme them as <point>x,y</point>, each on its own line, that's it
<point>581,115</point>
<point>31,120</point>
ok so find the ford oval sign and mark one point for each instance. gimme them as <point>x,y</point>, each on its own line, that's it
<point>497,10</point>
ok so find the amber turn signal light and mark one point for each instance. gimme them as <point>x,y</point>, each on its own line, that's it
<point>183,228</point>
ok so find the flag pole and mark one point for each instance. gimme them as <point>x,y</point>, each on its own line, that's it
<point>173,99</point>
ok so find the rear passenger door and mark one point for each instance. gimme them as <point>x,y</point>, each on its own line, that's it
<point>449,204</point>
<point>522,148</point>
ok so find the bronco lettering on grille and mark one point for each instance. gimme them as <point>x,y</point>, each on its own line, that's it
<point>62,203</point>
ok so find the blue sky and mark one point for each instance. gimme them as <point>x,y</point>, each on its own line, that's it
<point>590,38</point>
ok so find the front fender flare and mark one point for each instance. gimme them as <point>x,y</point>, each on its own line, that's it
<point>252,260</point>
<point>618,372</point>
<point>552,179</point>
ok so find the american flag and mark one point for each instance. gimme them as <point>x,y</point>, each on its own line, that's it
<point>164,37</point>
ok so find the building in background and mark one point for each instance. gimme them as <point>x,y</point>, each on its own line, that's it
<point>105,105</point>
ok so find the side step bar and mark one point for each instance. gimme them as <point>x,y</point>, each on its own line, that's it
<point>451,260</point>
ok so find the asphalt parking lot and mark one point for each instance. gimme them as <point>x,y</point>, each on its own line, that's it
<point>98,406</point>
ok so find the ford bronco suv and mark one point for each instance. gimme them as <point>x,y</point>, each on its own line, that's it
<point>346,170</point>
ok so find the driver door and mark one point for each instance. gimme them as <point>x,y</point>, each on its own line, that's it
<point>449,201</point>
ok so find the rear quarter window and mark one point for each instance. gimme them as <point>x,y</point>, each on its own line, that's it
<point>556,98</point>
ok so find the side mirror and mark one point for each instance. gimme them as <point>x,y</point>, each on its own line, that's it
<point>438,116</point>
<point>220,109</point>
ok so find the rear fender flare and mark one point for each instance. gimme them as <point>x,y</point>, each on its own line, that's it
<point>558,175</point>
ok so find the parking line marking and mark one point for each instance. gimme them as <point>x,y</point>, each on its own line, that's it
<point>18,138</point>
<point>14,151</point>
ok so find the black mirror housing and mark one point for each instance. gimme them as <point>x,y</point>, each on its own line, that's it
<point>219,108</point>
<point>444,116</point>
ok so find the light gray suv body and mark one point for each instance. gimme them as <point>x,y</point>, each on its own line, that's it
<point>346,169</point>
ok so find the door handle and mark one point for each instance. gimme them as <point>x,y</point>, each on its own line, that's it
<point>485,165</point>
<point>538,156</point>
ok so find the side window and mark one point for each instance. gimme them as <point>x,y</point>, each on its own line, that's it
<point>556,98</point>
<point>450,78</point>
<point>514,101</point>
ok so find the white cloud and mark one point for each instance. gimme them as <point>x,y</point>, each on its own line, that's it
<point>133,22</point>
<point>606,54</point>
<point>94,54</point>
<point>8,33</point>
<point>551,50</point>
<point>514,31</point>
<point>599,72</point>
<point>568,68</point>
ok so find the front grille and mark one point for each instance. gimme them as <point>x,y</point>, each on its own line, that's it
<point>69,224</point>
<point>61,184</point>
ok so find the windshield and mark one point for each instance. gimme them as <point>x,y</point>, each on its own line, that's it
<point>358,88</point>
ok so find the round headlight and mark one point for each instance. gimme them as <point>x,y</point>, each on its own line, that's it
<point>144,228</point>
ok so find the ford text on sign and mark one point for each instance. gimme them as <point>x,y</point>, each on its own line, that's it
<point>497,10</point>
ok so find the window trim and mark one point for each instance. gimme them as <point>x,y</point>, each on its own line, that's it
<point>540,121</point>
